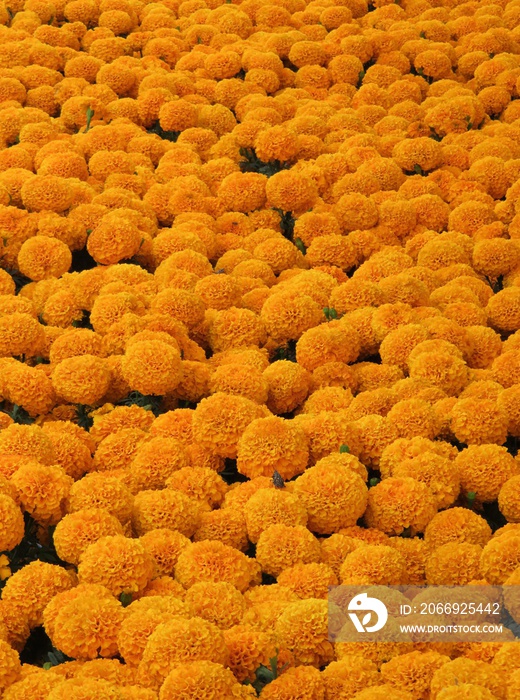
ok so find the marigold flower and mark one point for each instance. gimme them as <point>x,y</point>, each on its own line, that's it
<point>11,668</point>
<point>463,670</point>
<point>43,491</point>
<point>87,626</point>
<point>350,675</point>
<point>13,527</point>
<point>152,367</point>
<point>437,472</point>
<point>302,628</point>
<point>500,558</point>
<point>165,508</point>
<point>233,328</point>
<point>31,588</point>
<point>76,531</point>
<point>214,561</point>
<point>289,385</point>
<point>398,503</point>
<point>83,379</point>
<point>100,490</point>
<point>200,679</point>
<point>243,192</point>
<point>220,603</point>
<point>281,546</point>
<point>290,191</point>
<point>42,257</point>
<point>271,506</point>
<point>309,580</point>
<point>503,309</point>
<point>444,371</point>
<point>484,469</point>
<point>46,193</point>
<point>327,343</point>
<point>373,564</point>
<point>118,563</point>
<point>453,564</point>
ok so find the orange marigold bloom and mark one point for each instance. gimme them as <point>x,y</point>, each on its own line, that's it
<point>484,469</point>
<point>281,546</point>
<point>243,192</point>
<point>217,602</point>
<point>249,648</point>
<point>291,191</point>
<point>155,460</point>
<point>331,342</point>
<point>83,379</point>
<point>500,558</point>
<point>13,527</point>
<point>113,241</point>
<point>10,665</point>
<point>398,503</point>
<point>303,629</point>
<point>100,490</point>
<point>289,385</point>
<point>374,564</point>
<point>453,564</point>
<point>272,506</point>
<point>42,257</point>
<point>220,420</point>
<point>350,675</point>
<point>46,193</point>
<point>444,371</point>
<point>477,421</point>
<point>43,491</point>
<point>152,367</point>
<point>33,587</point>
<point>165,547</point>
<point>504,309</point>
<point>437,472</point>
<point>508,501</point>
<point>118,563</point>
<point>269,444</point>
<point>202,678</point>
<point>88,626</point>
<point>165,508</point>
<point>76,531</point>
<point>457,525</point>
<point>309,580</point>
<point>215,561</point>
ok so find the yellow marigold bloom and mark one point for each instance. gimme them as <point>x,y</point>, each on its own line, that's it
<point>13,527</point>
<point>83,379</point>
<point>176,643</point>
<point>155,460</point>
<point>413,418</point>
<point>484,469</point>
<point>87,626</point>
<point>327,343</point>
<point>243,192</point>
<point>457,525</point>
<point>281,546</point>
<point>269,444</point>
<point>220,420</point>
<point>276,143</point>
<point>220,603</point>
<point>76,531</point>
<point>20,334</point>
<point>42,257</point>
<point>234,328</point>
<point>444,371</point>
<point>227,526</point>
<point>437,472</point>
<point>111,242</point>
<point>239,380</point>
<point>31,588</point>
<point>503,310</point>
<point>214,561</point>
<point>152,367</point>
<point>291,191</point>
<point>303,629</point>
<point>334,497</point>
<point>165,546</point>
<point>289,385</point>
<point>165,508</point>
<point>37,685</point>
<point>46,193</point>
<point>43,491</point>
<point>309,580</point>
<point>100,490</point>
<point>118,563</point>
<point>202,484</point>
<point>201,679</point>
<point>508,500</point>
<point>398,503</point>
<point>374,564</point>
<point>453,564</point>
<point>249,648</point>
<point>272,506</point>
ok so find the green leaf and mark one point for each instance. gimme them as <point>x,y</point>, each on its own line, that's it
<point>90,114</point>
<point>471,496</point>
<point>47,665</point>
<point>300,245</point>
<point>373,482</point>
<point>417,169</point>
<point>344,449</point>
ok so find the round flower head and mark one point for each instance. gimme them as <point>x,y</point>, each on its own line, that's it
<point>503,311</point>
<point>399,503</point>
<point>272,506</point>
<point>249,648</point>
<point>20,334</point>
<point>214,561</point>
<point>155,460</point>
<point>117,450</point>
<point>220,420</point>
<point>334,497</point>
<point>87,626</point>
<point>477,421</point>
<point>413,418</point>
<point>291,191</point>
<point>118,563</point>
<point>438,473</point>
<point>201,679</point>
<point>36,685</point>
<point>454,564</point>
<point>374,564</point>
<point>165,508</point>
<point>460,671</point>
<point>412,672</point>
<point>12,523</point>
<point>28,443</point>
<point>243,192</point>
<point>139,624</point>
<point>83,379</point>
<point>10,666</point>
<point>100,490</point>
<point>42,257</point>
<point>113,241</point>
<point>177,642</point>
<point>269,444</point>
<point>76,531</point>
<point>220,603</point>
<point>201,484</point>
<point>288,384</point>
<point>281,546</point>
<point>444,371</point>
<point>72,447</point>
<point>164,546</point>
<point>43,491</point>
<point>33,586</point>
<point>152,367</point>
<point>309,580</point>
<point>223,525</point>
<point>349,675</point>
<point>327,343</point>
<point>287,316</point>
<point>484,469</point>
<point>303,629</point>
<point>465,691</point>
<point>500,558</point>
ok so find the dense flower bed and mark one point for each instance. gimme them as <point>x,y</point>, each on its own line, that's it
<point>259,335</point>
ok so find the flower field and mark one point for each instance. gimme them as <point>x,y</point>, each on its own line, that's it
<point>259,336</point>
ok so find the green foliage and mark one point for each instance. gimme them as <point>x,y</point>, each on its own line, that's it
<point>344,449</point>
<point>85,420</point>
<point>300,245</point>
<point>470,497</point>
<point>286,352</point>
<point>168,135</point>
<point>90,114</point>
<point>253,164</point>
<point>266,674</point>
<point>148,402</point>
<point>286,223</point>
<point>125,599</point>
<point>330,313</point>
